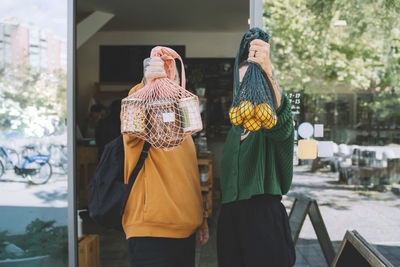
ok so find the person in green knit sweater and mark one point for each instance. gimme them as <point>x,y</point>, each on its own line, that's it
<point>257,169</point>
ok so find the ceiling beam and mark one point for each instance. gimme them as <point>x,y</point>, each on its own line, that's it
<point>90,25</point>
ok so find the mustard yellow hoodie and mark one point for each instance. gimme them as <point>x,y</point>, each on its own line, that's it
<point>166,198</point>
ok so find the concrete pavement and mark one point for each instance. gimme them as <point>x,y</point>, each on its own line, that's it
<point>22,202</point>
<point>375,215</point>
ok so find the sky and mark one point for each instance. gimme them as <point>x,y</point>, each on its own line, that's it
<point>45,14</point>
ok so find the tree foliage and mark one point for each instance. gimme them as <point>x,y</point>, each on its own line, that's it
<point>311,52</point>
<point>33,103</point>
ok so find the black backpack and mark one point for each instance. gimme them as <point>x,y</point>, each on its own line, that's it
<point>108,194</point>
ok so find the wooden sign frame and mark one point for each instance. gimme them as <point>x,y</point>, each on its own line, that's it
<point>301,207</point>
<point>352,243</point>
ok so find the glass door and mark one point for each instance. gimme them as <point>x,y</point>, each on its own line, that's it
<point>33,133</point>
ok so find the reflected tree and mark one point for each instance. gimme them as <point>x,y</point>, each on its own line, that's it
<point>33,103</point>
<point>320,45</point>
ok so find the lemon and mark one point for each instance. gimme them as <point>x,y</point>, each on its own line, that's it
<point>263,112</point>
<point>252,124</point>
<point>246,110</point>
<point>234,116</point>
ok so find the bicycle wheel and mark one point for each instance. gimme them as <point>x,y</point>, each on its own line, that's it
<point>58,157</point>
<point>64,166</point>
<point>13,159</point>
<point>42,175</point>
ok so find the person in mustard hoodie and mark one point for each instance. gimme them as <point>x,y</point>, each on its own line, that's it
<point>165,208</point>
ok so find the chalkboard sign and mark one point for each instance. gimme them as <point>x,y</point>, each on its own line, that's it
<point>295,101</point>
<point>124,63</point>
<point>355,251</point>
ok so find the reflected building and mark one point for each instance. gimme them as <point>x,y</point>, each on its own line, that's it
<point>22,43</point>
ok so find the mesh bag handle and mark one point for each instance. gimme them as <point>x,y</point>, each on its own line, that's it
<point>243,51</point>
<point>169,55</point>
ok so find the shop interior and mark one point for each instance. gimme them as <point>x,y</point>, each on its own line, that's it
<point>113,39</point>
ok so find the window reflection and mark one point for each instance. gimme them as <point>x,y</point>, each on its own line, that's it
<point>33,163</point>
<point>342,59</point>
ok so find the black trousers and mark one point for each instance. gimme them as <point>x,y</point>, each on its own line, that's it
<point>255,233</point>
<point>162,252</point>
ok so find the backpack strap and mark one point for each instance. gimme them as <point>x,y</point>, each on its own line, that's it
<point>134,174</point>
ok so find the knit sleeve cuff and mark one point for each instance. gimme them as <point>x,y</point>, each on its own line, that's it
<point>284,126</point>
<point>284,100</point>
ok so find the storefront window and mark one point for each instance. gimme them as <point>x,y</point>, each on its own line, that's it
<point>33,154</point>
<point>343,58</point>
<point>339,63</point>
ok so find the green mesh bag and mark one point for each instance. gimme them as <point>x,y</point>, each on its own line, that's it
<point>253,106</point>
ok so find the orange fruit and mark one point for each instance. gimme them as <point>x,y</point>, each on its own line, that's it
<point>263,112</point>
<point>271,122</point>
<point>234,116</point>
<point>252,124</point>
<point>246,110</point>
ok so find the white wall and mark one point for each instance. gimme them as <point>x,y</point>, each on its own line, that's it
<point>198,44</point>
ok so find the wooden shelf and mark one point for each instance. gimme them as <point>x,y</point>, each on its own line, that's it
<point>207,190</point>
<point>86,164</point>
<point>113,90</point>
<point>89,251</point>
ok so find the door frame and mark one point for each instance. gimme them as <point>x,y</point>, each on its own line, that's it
<point>71,133</point>
<point>256,13</point>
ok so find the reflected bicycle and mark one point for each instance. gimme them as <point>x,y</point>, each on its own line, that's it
<point>35,168</point>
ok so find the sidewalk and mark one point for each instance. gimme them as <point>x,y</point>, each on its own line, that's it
<point>22,202</point>
<point>375,215</point>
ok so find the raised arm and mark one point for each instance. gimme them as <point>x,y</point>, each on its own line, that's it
<point>259,53</point>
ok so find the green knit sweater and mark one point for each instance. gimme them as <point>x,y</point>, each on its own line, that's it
<point>262,163</point>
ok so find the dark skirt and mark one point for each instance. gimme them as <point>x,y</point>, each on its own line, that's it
<point>255,233</point>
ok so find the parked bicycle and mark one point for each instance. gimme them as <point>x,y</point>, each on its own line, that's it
<point>58,157</point>
<point>36,168</point>
<point>29,150</point>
